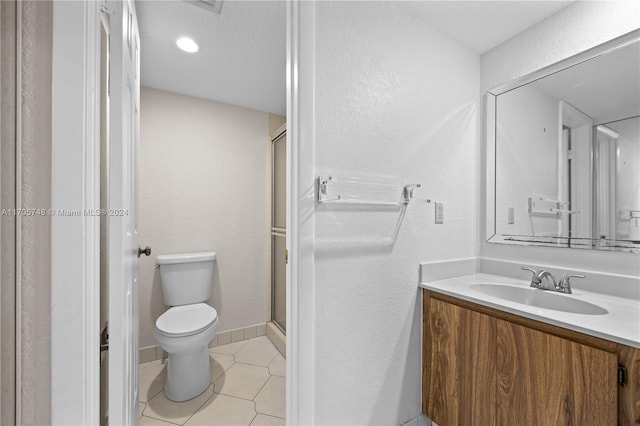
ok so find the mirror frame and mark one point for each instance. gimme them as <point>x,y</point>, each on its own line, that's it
<point>491,236</point>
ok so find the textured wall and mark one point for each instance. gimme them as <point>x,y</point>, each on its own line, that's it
<point>204,186</point>
<point>7,201</point>
<point>34,304</point>
<point>572,30</point>
<point>393,98</point>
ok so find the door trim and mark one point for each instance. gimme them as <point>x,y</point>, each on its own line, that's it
<point>300,212</point>
<point>75,240</point>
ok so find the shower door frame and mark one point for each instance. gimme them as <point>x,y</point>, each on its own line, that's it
<point>276,232</point>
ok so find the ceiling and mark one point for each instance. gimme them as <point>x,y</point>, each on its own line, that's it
<point>482,25</point>
<point>242,53</point>
<point>605,88</point>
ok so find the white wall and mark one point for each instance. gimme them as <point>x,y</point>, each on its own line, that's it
<point>393,97</point>
<point>572,30</point>
<point>204,186</point>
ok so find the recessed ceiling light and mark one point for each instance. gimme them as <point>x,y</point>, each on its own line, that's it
<point>187,44</point>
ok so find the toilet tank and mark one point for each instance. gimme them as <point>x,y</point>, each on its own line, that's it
<point>186,277</point>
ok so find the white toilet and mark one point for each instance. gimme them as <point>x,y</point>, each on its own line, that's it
<point>187,328</point>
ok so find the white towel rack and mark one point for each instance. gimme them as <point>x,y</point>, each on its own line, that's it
<point>540,206</point>
<point>351,191</point>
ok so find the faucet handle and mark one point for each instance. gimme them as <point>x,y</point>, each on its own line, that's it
<point>535,280</point>
<point>565,283</point>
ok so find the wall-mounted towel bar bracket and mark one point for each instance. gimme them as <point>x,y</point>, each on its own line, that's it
<point>325,195</point>
<point>627,215</point>
<point>540,206</point>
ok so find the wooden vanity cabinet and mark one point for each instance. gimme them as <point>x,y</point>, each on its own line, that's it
<point>483,366</point>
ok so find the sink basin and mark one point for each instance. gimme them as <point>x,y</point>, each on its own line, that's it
<point>540,299</point>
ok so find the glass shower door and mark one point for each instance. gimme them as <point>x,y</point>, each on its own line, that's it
<point>278,231</point>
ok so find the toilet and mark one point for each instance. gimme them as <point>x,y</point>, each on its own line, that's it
<point>185,330</point>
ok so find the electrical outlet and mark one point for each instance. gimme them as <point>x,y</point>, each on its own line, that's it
<point>439,213</point>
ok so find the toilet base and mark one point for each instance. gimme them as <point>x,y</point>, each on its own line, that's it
<point>188,374</point>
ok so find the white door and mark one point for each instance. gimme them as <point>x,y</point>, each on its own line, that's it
<point>123,225</point>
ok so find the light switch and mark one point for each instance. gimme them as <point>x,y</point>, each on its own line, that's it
<point>439,213</point>
<point>511,216</point>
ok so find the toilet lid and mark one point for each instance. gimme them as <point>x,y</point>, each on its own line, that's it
<point>187,319</point>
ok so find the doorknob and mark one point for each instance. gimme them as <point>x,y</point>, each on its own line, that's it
<point>146,251</point>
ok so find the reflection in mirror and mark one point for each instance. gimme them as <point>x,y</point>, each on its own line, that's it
<point>617,156</point>
<point>567,155</point>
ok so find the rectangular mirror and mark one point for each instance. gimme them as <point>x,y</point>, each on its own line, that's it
<point>563,153</point>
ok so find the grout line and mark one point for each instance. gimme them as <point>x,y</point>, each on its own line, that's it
<point>155,394</point>
<point>258,393</point>
<point>200,408</point>
<point>165,420</point>
<point>252,365</point>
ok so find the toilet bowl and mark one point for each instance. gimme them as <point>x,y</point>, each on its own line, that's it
<point>185,330</point>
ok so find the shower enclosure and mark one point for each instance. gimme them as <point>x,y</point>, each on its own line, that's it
<point>278,229</point>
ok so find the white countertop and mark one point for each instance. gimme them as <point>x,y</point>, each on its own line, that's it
<point>621,324</point>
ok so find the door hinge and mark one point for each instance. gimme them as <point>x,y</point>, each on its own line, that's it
<point>286,257</point>
<point>569,154</point>
<point>104,338</point>
<point>622,375</point>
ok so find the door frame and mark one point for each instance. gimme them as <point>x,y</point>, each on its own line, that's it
<point>75,328</point>
<point>75,240</point>
<point>301,203</point>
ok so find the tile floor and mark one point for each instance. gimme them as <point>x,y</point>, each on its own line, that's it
<point>247,388</point>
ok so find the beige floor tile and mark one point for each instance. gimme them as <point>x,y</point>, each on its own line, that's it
<point>423,420</point>
<point>229,349</point>
<point>159,407</point>
<point>148,421</point>
<point>271,399</point>
<point>224,410</point>
<point>141,407</point>
<point>219,364</point>
<point>412,422</point>
<point>278,366</point>
<point>261,339</point>
<point>150,380</point>
<point>242,381</point>
<point>256,353</point>
<point>264,420</point>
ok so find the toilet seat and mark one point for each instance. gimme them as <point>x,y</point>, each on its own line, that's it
<point>186,320</point>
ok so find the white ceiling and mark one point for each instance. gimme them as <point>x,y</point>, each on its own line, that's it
<point>243,50</point>
<point>242,54</point>
<point>482,25</point>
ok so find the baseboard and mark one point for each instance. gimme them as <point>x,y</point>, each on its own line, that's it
<point>277,337</point>
<point>153,353</point>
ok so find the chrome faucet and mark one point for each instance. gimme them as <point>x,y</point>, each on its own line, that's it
<point>565,286</point>
<point>540,278</point>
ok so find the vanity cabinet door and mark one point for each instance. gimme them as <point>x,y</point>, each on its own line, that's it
<point>547,380</point>
<point>459,366</point>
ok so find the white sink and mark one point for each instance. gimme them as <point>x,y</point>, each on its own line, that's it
<point>540,298</point>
